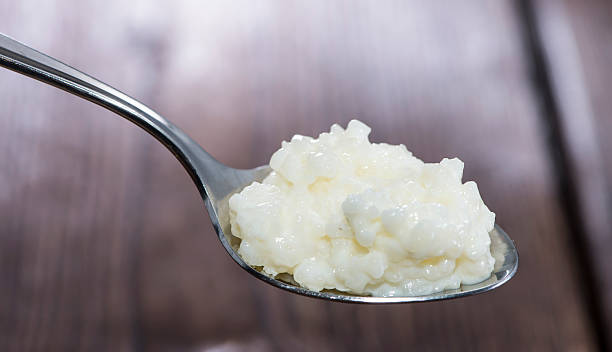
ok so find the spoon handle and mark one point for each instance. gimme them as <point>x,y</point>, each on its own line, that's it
<point>25,60</point>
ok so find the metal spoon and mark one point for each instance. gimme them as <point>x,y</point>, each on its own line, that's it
<point>215,181</point>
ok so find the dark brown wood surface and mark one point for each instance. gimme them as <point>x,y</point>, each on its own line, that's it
<point>105,244</point>
<point>577,44</point>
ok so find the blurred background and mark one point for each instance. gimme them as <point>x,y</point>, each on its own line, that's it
<point>105,244</point>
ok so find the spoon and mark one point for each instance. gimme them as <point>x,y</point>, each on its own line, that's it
<point>216,181</point>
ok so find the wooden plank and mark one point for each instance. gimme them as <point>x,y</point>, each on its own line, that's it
<point>71,194</point>
<point>106,243</point>
<point>576,37</point>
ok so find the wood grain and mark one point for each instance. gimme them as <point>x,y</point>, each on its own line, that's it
<point>106,245</point>
<point>576,37</point>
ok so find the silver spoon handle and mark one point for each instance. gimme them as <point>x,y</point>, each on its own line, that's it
<point>25,60</point>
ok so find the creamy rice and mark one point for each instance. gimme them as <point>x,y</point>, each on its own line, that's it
<point>339,212</point>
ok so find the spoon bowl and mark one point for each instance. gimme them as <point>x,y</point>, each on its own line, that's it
<point>215,181</point>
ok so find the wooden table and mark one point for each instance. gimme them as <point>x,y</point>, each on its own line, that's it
<point>518,90</point>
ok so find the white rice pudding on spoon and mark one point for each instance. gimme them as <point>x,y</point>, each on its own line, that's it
<point>339,212</point>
